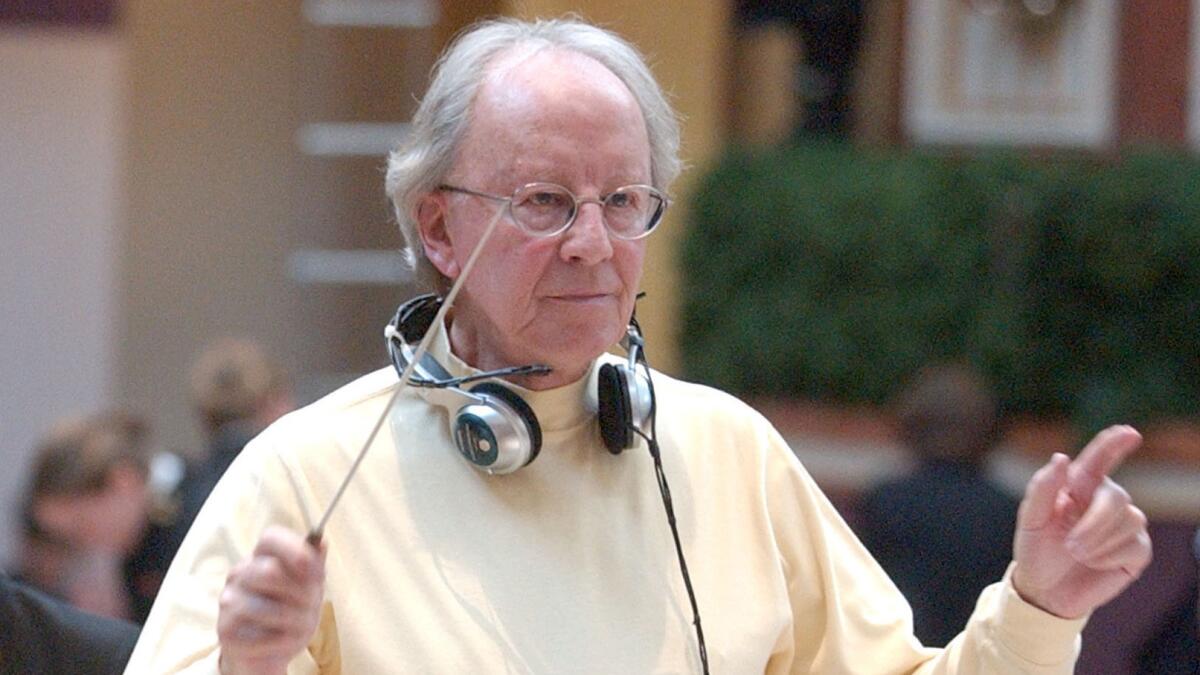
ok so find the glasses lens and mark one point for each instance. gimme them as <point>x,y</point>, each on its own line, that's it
<point>543,208</point>
<point>633,211</point>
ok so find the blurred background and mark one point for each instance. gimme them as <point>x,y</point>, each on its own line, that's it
<point>874,186</point>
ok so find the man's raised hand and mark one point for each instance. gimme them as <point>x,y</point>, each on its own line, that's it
<point>1080,540</point>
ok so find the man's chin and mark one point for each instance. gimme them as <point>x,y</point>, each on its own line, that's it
<point>573,354</point>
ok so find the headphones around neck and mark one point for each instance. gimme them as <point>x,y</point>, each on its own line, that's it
<point>493,427</point>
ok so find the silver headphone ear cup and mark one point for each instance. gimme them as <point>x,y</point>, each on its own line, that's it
<point>640,400</point>
<point>501,433</point>
<point>492,426</point>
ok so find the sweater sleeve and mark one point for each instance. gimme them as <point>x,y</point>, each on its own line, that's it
<point>848,616</point>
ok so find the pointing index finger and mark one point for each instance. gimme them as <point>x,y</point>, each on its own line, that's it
<point>1100,458</point>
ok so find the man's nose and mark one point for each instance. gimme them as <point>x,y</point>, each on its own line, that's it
<point>587,239</point>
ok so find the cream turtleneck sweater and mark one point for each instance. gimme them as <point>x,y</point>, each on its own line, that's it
<point>567,565</point>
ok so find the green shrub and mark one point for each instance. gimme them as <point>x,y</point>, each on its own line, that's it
<point>832,273</point>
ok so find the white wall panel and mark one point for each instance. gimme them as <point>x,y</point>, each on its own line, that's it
<point>60,144</point>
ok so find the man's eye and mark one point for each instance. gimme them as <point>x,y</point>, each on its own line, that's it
<point>546,199</point>
<point>623,200</point>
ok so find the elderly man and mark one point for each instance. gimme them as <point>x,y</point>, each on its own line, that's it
<point>567,563</point>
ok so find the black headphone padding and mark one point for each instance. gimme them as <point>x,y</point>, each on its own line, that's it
<point>614,411</point>
<point>414,317</point>
<point>520,408</point>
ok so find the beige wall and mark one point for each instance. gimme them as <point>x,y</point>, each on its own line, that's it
<point>220,195</point>
<point>210,172</point>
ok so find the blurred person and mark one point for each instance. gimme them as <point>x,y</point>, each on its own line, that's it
<point>1175,646</point>
<point>516,511</point>
<point>87,578</point>
<point>43,634</point>
<point>237,390</point>
<point>97,515</point>
<point>944,531</point>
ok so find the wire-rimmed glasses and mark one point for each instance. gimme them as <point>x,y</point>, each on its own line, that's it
<point>547,209</point>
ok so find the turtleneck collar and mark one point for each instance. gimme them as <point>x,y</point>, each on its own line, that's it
<point>557,409</point>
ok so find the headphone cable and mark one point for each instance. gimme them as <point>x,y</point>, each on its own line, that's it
<point>669,507</point>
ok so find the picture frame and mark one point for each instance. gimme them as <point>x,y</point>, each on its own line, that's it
<point>975,76</point>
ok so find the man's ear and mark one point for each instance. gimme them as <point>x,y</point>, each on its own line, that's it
<point>435,236</point>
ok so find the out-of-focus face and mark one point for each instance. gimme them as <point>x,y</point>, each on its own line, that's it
<point>110,519</point>
<point>557,117</point>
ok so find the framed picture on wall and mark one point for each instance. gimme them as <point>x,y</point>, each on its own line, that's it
<point>1020,72</point>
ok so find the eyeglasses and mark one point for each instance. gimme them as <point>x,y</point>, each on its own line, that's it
<point>548,209</point>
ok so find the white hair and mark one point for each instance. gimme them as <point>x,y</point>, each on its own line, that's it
<point>426,155</point>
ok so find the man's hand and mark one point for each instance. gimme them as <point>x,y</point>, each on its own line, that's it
<point>1079,540</point>
<point>271,604</point>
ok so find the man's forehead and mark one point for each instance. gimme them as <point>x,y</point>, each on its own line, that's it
<point>534,110</point>
<point>520,72</point>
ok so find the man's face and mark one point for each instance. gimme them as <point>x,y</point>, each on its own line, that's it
<point>556,117</point>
